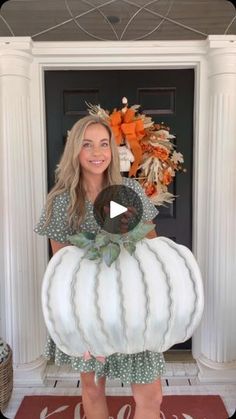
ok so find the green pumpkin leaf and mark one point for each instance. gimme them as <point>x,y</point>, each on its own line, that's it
<point>110,253</point>
<point>79,240</point>
<point>89,235</point>
<point>130,247</point>
<point>92,253</point>
<point>102,239</point>
<point>114,238</point>
<point>140,232</point>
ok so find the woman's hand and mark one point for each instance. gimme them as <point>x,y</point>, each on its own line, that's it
<point>126,219</point>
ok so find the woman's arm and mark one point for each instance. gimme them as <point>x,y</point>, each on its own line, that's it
<point>57,245</point>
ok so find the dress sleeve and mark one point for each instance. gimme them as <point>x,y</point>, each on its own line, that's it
<point>149,209</point>
<point>58,227</point>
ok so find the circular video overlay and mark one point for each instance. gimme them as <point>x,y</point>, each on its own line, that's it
<point>118,209</point>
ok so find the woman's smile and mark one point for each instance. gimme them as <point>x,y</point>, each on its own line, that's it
<point>96,162</point>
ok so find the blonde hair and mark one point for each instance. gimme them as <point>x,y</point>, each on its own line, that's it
<point>68,175</point>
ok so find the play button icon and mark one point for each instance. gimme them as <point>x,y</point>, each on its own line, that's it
<point>118,209</point>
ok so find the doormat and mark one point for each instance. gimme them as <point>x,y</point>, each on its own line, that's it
<point>121,407</point>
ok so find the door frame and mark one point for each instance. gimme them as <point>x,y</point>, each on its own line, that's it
<point>25,61</point>
<point>132,56</point>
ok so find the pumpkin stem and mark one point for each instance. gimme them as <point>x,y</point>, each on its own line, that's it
<point>107,246</point>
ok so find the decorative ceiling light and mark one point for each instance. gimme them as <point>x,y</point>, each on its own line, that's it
<point>113,19</point>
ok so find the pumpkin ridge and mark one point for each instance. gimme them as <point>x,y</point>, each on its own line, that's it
<point>98,310</point>
<point>74,305</point>
<point>123,310</point>
<point>52,320</point>
<point>146,297</point>
<point>170,295</point>
<point>191,317</point>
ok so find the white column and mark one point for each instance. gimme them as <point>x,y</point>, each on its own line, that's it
<point>24,328</point>
<point>217,360</point>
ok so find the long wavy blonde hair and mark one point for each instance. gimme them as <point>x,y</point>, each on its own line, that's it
<point>68,175</point>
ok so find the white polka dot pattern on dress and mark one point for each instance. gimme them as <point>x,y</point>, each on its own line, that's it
<point>143,367</point>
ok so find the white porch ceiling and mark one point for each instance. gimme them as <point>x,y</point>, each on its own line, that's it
<point>84,20</point>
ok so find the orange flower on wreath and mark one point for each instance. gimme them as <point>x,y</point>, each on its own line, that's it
<point>150,188</point>
<point>167,178</point>
<point>161,153</point>
<point>146,148</point>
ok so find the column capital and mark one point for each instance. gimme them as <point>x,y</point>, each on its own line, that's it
<point>14,61</point>
<point>16,43</point>
<point>221,42</point>
<point>222,55</point>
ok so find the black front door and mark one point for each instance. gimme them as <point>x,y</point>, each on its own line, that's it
<point>165,95</point>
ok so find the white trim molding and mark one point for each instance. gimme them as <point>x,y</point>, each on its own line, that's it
<point>23,184</point>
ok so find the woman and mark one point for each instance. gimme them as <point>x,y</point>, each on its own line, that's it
<point>90,163</point>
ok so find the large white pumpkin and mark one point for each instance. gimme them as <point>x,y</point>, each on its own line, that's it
<point>148,301</point>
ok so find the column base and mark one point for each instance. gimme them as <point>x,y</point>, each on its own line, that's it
<point>30,374</point>
<point>216,372</point>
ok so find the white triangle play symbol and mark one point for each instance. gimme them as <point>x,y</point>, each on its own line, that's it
<point>116,209</point>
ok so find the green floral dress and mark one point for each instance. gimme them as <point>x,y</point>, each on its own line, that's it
<point>142,367</point>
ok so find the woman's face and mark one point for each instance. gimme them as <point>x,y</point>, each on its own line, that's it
<point>95,154</point>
